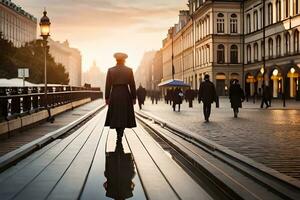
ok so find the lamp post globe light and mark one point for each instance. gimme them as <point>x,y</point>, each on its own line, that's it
<point>45,33</point>
<point>45,26</point>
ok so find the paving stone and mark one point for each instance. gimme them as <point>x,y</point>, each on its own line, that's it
<point>269,136</point>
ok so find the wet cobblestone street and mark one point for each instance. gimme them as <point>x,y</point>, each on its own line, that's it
<point>271,137</point>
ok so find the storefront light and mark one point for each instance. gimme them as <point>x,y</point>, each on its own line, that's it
<point>292,70</point>
<point>262,70</point>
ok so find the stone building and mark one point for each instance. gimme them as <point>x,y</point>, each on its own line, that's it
<point>272,54</point>
<point>94,76</point>
<point>70,58</point>
<point>227,39</point>
<point>16,25</point>
<point>143,74</point>
<point>157,70</point>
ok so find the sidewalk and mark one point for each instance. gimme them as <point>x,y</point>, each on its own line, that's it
<point>29,134</point>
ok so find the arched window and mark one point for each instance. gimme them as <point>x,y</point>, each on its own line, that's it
<point>287,43</point>
<point>233,54</point>
<point>296,41</point>
<point>233,23</point>
<point>270,46</point>
<point>248,23</point>
<point>278,46</point>
<point>255,52</point>
<point>249,53</point>
<point>255,20</point>
<point>270,13</point>
<point>278,10</point>
<point>220,23</point>
<point>221,54</point>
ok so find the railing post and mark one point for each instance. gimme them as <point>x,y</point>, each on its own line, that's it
<point>15,102</point>
<point>3,104</point>
<point>26,103</point>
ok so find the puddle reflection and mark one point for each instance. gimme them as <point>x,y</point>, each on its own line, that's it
<point>119,172</point>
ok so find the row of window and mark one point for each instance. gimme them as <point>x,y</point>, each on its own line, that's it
<point>15,29</point>
<point>221,23</point>
<point>257,24</point>
<point>279,50</point>
<point>203,55</point>
<point>233,54</point>
<point>203,28</point>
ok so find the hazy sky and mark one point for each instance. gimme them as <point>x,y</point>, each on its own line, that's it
<point>101,27</point>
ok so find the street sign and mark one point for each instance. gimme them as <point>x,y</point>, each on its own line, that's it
<point>23,72</point>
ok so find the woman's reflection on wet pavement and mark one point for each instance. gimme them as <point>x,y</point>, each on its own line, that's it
<point>119,172</point>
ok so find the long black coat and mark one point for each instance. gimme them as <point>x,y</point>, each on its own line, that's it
<point>120,112</point>
<point>177,99</point>
<point>207,92</point>
<point>141,94</point>
<point>189,94</point>
<point>236,96</point>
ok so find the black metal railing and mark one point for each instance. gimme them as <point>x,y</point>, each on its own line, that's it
<point>19,101</point>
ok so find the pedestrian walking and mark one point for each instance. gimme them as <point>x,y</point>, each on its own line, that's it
<point>119,98</point>
<point>265,97</point>
<point>157,96</point>
<point>189,95</point>
<point>152,96</point>
<point>169,96</point>
<point>177,98</point>
<point>207,95</point>
<point>269,95</point>
<point>141,96</point>
<point>236,96</point>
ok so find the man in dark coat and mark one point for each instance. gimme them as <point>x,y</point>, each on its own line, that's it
<point>120,100</point>
<point>177,98</point>
<point>207,94</point>
<point>168,96</point>
<point>189,95</point>
<point>236,96</point>
<point>265,96</point>
<point>141,95</point>
<point>157,96</point>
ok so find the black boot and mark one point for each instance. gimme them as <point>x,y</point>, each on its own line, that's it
<point>120,133</point>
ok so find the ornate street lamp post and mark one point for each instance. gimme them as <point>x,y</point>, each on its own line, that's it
<point>45,33</point>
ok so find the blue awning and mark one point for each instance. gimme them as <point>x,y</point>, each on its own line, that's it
<point>173,83</point>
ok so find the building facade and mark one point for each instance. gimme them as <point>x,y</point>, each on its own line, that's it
<point>94,76</point>
<point>157,70</point>
<point>70,58</point>
<point>227,40</point>
<point>143,74</point>
<point>272,54</point>
<point>16,25</point>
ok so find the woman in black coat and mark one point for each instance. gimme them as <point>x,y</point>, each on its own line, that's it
<point>177,98</point>
<point>119,98</point>
<point>236,96</point>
